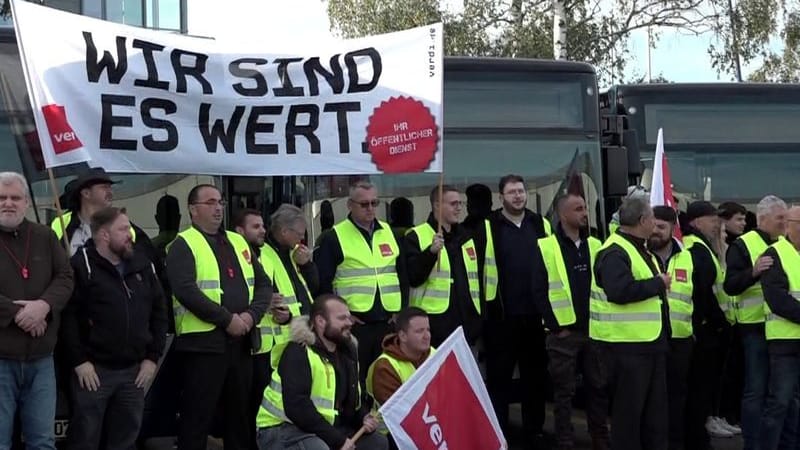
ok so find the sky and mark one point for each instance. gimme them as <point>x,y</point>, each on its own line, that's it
<point>677,57</point>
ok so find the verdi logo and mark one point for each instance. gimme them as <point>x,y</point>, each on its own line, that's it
<point>61,133</point>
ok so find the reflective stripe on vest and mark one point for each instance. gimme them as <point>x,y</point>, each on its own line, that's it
<point>777,327</point>
<point>559,292</point>
<point>323,393</point>
<point>679,297</point>
<point>750,303</point>
<point>633,322</point>
<point>724,301</point>
<point>273,333</point>
<point>207,274</point>
<point>489,266</point>
<point>364,270</point>
<point>55,225</point>
<point>433,296</point>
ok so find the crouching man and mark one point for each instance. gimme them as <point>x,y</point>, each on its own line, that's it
<point>313,401</point>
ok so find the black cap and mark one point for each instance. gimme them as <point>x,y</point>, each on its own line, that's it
<point>95,175</point>
<point>700,209</point>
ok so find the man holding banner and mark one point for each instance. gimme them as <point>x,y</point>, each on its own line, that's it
<point>361,262</point>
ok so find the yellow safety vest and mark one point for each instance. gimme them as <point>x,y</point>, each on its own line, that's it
<point>724,300</point>
<point>679,296</point>
<point>750,303</point>
<point>55,225</point>
<point>323,393</point>
<point>632,322</point>
<point>558,291</point>
<point>777,327</point>
<point>489,266</point>
<point>208,280</point>
<point>272,333</point>
<point>433,296</point>
<point>366,271</point>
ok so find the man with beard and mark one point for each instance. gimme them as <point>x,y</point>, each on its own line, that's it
<point>287,262</point>
<point>361,261</point>
<point>561,287</point>
<point>745,264</point>
<point>220,292</point>
<point>314,399</point>
<point>114,333</point>
<point>514,332</point>
<point>34,288</point>
<point>443,270</point>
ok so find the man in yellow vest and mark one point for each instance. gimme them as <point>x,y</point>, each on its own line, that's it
<point>745,264</point>
<point>314,398</point>
<point>561,287</point>
<point>443,270</point>
<point>220,293</point>
<point>628,316</point>
<point>361,262</point>
<point>781,286</point>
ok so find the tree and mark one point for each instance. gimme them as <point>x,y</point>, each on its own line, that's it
<point>592,31</point>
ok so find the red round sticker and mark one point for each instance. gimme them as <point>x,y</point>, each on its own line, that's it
<point>402,136</point>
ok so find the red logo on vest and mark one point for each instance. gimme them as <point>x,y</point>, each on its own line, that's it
<point>386,250</point>
<point>246,254</point>
<point>62,136</point>
<point>680,275</point>
<point>471,253</point>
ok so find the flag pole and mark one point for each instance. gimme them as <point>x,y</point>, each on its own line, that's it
<point>59,211</point>
<point>439,218</point>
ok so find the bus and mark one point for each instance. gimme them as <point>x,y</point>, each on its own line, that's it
<point>724,141</point>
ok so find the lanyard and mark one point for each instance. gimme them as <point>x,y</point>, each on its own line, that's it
<point>23,266</point>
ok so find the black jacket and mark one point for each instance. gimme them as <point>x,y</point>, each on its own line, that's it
<point>708,318</point>
<point>183,281</point>
<point>114,320</point>
<point>613,274</point>
<point>308,271</point>
<point>739,274</point>
<point>514,247</point>
<point>577,263</point>
<point>296,382</point>
<point>328,255</point>
<point>420,261</point>
<point>776,293</point>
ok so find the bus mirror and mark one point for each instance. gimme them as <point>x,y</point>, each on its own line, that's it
<point>630,140</point>
<point>615,171</point>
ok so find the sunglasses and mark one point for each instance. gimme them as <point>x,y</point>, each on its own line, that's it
<point>365,205</point>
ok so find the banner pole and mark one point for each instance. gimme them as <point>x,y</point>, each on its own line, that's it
<point>439,218</point>
<point>60,213</point>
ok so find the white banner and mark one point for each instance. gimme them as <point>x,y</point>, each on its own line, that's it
<point>444,404</point>
<point>137,100</point>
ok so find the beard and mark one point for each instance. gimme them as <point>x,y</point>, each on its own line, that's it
<point>656,243</point>
<point>124,251</point>
<point>340,336</point>
<point>513,209</point>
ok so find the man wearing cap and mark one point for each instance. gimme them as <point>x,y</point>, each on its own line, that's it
<point>711,318</point>
<point>746,263</point>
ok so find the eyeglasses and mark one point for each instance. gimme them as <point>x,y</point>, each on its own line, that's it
<point>211,202</point>
<point>365,205</point>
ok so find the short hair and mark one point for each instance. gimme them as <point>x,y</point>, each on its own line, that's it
<point>285,216</point>
<point>320,305</point>
<point>665,213</point>
<point>104,217</point>
<point>363,184</point>
<point>434,196</point>
<point>765,206</point>
<point>240,217</point>
<point>562,198</point>
<point>195,192</point>
<point>632,210</point>
<point>404,317</point>
<point>730,209</point>
<point>8,178</point>
<point>511,178</point>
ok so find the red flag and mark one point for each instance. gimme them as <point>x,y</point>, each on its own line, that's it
<point>444,405</point>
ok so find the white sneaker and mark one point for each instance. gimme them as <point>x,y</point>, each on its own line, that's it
<point>715,429</point>
<point>735,429</point>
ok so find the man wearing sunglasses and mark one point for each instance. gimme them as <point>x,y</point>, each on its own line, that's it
<point>361,262</point>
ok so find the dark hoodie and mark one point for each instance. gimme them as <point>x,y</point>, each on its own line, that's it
<point>385,380</point>
<point>296,383</point>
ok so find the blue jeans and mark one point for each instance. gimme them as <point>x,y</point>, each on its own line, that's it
<point>31,387</point>
<point>756,376</point>
<point>779,420</point>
